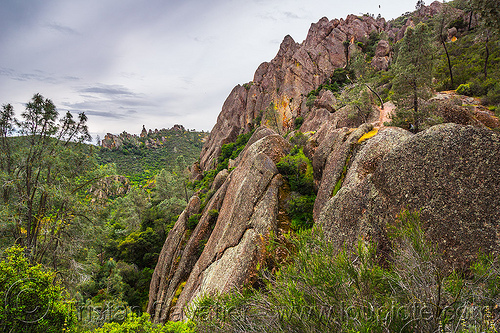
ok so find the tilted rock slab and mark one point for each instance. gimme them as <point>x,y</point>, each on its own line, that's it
<point>247,203</point>
<point>450,173</point>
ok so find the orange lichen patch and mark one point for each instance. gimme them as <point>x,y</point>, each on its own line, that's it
<point>368,135</point>
<point>285,120</point>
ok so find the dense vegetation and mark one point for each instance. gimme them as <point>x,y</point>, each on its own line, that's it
<point>140,163</point>
<point>322,289</point>
<point>297,171</point>
<point>31,301</point>
<point>89,235</point>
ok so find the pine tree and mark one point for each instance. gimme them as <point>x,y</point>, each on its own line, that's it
<point>413,80</point>
<point>490,23</point>
<point>43,169</point>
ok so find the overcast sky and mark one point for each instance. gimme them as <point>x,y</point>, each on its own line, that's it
<point>128,63</point>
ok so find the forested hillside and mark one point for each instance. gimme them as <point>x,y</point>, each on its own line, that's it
<point>95,218</point>
<point>351,186</point>
<point>141,157</point>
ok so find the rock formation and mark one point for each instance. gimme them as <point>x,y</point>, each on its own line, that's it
<point>364,173</point>
<point>223,250</point>
<point>449,173</point>
<point>150,139</point>
<point>287,79</point>
<point>382,58</point>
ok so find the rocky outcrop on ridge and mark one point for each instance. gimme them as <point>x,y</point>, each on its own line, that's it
<point>287,79</point>
<point>298,69</point>
<point>150,139</point>
<point>222,252</point>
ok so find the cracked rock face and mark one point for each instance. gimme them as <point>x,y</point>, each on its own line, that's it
<point>450,173</point>
<point>247,203</point>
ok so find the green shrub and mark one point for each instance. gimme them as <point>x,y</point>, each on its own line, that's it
<point>458,23</point>
<point>226,152</point>
<point>327,289</point>
<point>256,122</point>
<point>298,122</point>
<point>213,213</point>
<point>464,89</point>
<point>338,79</point>
<point>493,95</point>
<point>301,212</point>
<point>32,300</point>
<point>142,324</point>
<point>192,221</point>
<point>232,150</point>
<point>299,139</point>
<point>297,169</point>
<point>310,100</point>
<point>141,248</point>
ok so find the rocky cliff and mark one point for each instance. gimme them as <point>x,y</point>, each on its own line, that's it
<point>288,78</point>
<point>223,251</point>
<point>365,173</point>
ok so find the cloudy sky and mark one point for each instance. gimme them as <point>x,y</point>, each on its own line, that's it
<point>128,63</point>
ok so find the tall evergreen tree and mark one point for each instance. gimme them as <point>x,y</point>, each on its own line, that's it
<point>42,170</point>
<point>490,22</point>
<point>413,80</point>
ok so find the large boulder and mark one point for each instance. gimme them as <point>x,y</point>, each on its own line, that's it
<point>224,249</point>
<point>382,58</point>
<point>380,63</point>
<point>383,48</point>
<point>449,173</point>
<point>326,100</point>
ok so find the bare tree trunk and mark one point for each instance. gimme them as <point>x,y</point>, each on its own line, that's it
<point>449,63</point>
<point>379,98</point>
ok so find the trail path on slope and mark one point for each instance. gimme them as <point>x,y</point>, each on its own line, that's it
<point>384,114</point>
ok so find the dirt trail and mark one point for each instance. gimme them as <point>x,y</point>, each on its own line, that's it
<point>384,114</point>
